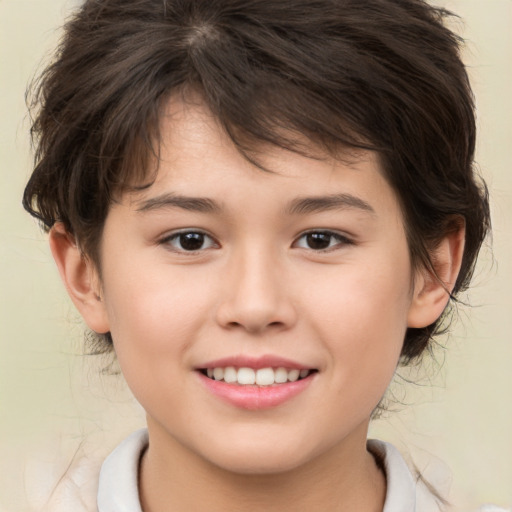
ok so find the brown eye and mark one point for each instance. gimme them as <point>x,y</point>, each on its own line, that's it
<point>318,241</point>
<point>321,240</point>
<point>190,241</point>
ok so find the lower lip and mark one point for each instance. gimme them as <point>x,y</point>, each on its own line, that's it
<point>256,397</point>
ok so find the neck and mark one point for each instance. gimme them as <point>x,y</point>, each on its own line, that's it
<point>346,478</point>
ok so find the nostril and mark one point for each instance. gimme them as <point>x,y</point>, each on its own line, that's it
<point>254,326</point>
<point>255,316</point>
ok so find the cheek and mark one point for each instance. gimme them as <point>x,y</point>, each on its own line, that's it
<point>153,326</point>
<point>362,320</point>
<point>153,314</point>
<point>361,299</point>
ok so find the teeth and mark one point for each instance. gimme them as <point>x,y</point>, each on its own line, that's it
<point>265,377</point>
<point>246,376</point>
<point>293,375</point>
<point>280,375</point>
<point>230,374</point>
<point>260,377</point>
<point>218,373</point>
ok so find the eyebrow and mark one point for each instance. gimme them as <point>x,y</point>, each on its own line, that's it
<point>170,200</point>
<point>316,204</point>
<point>299,206</point>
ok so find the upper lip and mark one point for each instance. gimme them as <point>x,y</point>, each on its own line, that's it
<point>265,361</point>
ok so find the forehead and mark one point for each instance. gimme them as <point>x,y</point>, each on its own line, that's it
<point>198,158</point>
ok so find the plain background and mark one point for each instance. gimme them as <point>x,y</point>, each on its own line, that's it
<point>54,402</point>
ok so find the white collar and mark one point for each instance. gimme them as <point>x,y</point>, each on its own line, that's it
<point>118,489</point>
<point>118,482</point>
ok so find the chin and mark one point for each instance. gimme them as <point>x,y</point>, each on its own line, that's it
<point>259,465</point>
<point>260,457</point>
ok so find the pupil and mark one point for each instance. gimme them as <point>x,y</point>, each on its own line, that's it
<point>318,240</point>
<point>192,241</point>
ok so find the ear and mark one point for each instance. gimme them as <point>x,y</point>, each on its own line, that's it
<point>80,277</point>
<point>432,291</point>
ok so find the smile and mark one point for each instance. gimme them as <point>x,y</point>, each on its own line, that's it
<point>256,383</point>
<point>245,376</point>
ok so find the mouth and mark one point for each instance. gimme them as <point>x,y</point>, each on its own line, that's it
<point>262,377</point>
<point>256,383</point>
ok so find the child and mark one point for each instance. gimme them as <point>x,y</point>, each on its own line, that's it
<point>263,207</point>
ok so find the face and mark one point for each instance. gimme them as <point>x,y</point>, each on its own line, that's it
<point>299,276</point>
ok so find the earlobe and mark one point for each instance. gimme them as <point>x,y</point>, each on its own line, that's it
<point>80,278</point>
<point>432,291</point>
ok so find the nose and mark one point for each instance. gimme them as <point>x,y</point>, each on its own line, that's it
<point>256,295</point>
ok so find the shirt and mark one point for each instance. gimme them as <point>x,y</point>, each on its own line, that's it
<point>118,483</point>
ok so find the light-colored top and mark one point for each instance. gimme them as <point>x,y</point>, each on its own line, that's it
<point>118,484</point>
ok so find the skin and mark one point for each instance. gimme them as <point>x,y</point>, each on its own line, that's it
<point>256,287</point>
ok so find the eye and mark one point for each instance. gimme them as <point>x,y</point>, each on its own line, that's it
<point>321,240</point>
<point>189,241</point>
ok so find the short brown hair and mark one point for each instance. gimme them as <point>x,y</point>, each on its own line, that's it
<point>384,75</point>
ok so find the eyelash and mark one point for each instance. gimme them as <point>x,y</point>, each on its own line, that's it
<point>168,240</point>
<point>341,240</point>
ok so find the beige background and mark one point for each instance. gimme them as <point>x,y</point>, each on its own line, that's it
<point>55,403</point>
